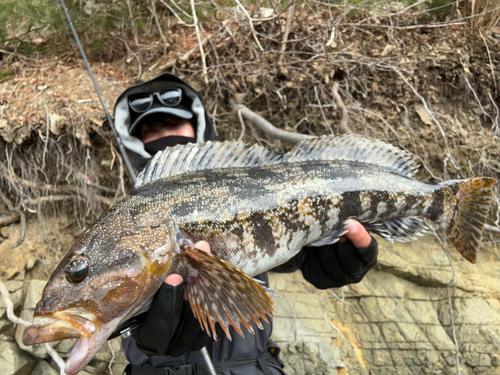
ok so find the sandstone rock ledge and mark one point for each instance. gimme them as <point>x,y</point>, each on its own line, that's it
<point>398,319</point>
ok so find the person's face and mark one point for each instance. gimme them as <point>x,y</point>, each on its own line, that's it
<point>171,126</point>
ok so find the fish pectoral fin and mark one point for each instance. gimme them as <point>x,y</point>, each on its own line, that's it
<point>401,229</point>
<point>219,292</point>
<point>331,237</point>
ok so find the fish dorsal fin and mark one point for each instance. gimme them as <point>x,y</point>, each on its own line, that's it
<point>353,147</point>
<point>233,154</point>
<point>203,156</point>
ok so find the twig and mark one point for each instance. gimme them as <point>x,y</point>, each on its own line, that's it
<point>200,45</point>
<point>14,319</point>
<point>457,349</point>
<point>132,20</point>
<point>342,338</point>
<point>381,119</point>
<point>179,19</point>
<point>46,141</point>
<point>495,128</point>
<point>10,307</point>
<point>187,55</point>
<point>153,11</point>
<point>411,27</point>
<point>296,331</point>
<point>266,126</point>
<point>343,127</point>
<point>251,24</point>
<point>134,54</point>
<point>342,300</point>
<point>7,201</point>
<point>112,357</point>
<point>289,17</point>
<point>321,109</point>
<point>117,155</point>
<point>186,14</point>
<point>58,198</point>
<point>474,93</point>
<point>242,126</point>
<point>492,67</point>
<point>9,219</point>
<point>332,38</point>
<point>20,56</point>
<point>81,192</point>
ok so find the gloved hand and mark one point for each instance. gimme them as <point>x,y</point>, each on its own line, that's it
<point>169,327</point>
<point>345,262</point>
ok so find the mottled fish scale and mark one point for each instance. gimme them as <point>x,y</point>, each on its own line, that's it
<point>268,210</point>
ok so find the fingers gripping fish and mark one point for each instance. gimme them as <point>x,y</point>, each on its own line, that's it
<point>257,209</point>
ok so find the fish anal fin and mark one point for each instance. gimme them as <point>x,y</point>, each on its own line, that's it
<point>401,229</point>
<point>331,237</point>
<point>220,292</point>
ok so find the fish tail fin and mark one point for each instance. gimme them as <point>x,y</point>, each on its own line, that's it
<point>220,292</point>
<point>470,205</point>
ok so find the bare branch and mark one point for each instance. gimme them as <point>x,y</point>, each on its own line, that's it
<point>9,219</point>
<point>289,17</point>
<point>343,127</point>
<point>200,45</point>
<point>7,201</point>
<point>266,126</point>
<point>250,21</point>
<point>132,20</point>
<point>321,110</point>
<point>158,26</point>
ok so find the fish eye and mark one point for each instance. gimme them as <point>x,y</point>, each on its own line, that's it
<point>77,270</point>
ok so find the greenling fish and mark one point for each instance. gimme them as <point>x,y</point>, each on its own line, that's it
<point>257,209</point>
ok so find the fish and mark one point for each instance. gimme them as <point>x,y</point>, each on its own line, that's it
<point>257,208</point>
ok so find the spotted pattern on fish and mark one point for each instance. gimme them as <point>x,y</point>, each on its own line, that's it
<point>308,206</point>
<point>436,208</point>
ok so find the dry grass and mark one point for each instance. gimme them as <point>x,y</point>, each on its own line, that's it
<point>484,14</point>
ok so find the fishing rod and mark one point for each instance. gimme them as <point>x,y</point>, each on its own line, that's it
<point>123,152</point>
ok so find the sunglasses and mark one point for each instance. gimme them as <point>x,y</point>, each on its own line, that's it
<point>142,102</point>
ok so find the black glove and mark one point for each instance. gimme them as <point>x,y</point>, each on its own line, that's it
<point>333,266</point>
<point>169,326</point>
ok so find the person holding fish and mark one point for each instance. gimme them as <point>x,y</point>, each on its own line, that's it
<point>164,112</point>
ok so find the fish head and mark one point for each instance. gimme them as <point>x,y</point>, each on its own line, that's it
<point>108,276</point>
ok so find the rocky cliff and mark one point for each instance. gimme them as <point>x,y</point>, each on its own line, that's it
<point>415,313</point>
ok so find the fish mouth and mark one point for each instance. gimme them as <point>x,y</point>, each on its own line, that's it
<point>60,326</point>
<point>90,331</point>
